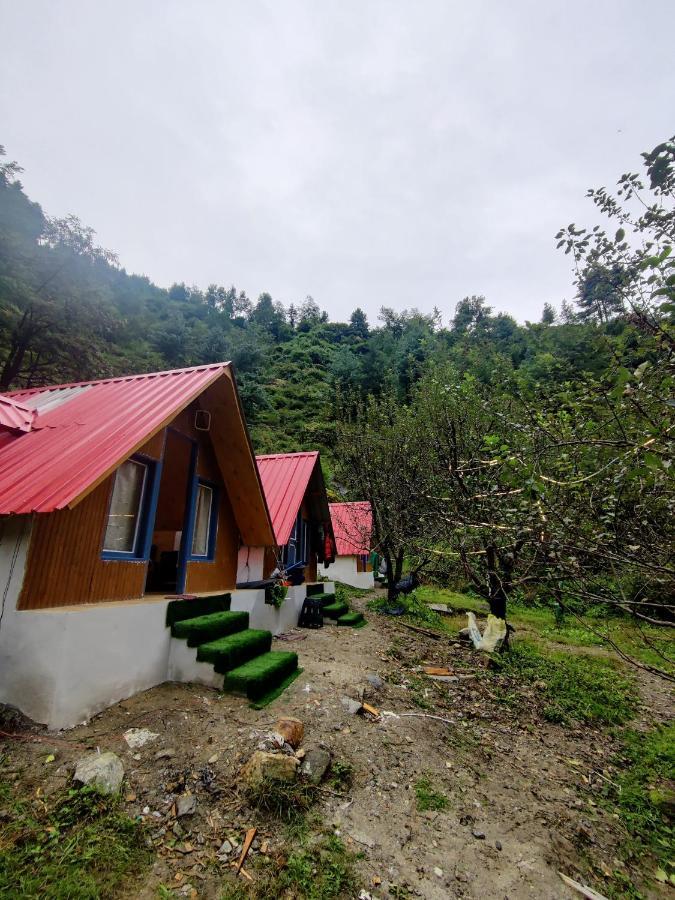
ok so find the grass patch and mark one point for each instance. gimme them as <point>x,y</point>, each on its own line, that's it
<point>647,797</point>
<point>587,689</point>
<point>320,869</point>
<point>428,797</point>
<point>341,776</point>
<point>416,610</point>
<point>81,847</point>
<point>286,800</point>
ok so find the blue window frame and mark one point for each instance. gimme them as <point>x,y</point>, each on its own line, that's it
<point>203,525</point>
<point>297,548</point>
<point>131,510</point>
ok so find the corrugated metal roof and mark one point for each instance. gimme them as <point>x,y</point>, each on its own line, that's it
<point>78,436</point>
<point>285,477</point>
<point>353,526</point>
<point>15,416</point>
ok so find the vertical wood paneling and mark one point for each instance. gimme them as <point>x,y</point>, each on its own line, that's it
<point>64,559</point>
<point>221,574</point>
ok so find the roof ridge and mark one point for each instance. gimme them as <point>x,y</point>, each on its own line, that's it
<point>286,455</point>
<point>116,378</point>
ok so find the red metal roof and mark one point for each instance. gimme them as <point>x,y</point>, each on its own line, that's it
<point>15,416</point>
<point>83,431</point>
<point>353,526</point>
<point>285,477</point>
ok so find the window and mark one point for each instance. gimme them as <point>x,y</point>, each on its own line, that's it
<point>122,532</point>
<point>297,548</point>
<point>204,509</point>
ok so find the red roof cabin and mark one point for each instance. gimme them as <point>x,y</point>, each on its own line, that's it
<point>353,526</point>
<point>116,496</point>
<point>295,492</point>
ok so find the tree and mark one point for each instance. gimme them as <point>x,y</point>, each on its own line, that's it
<point>548,316</point>
<point>380,461</point>
<point>358,323</point>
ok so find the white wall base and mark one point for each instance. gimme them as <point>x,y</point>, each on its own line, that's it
<point>61,666</point>
<point>344,570</point>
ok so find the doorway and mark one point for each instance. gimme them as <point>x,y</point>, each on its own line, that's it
<point>167,566</point>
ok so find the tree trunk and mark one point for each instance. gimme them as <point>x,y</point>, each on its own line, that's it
<point>498,595</point>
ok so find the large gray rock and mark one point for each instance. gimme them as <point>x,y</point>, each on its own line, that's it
<point>103,771</point>
<point>273,766</point>
<point>315,765</point>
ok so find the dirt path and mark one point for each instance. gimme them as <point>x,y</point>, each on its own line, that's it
<point>519,805</point>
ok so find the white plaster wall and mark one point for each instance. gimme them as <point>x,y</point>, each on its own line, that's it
<point>262,615</point>
<point>344,570</point>
<point>61,666</point>
<point>250,564</point>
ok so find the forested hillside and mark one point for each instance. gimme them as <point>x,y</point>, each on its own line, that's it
<point>69,311</point>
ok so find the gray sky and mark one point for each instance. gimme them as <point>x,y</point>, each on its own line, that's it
<point>366,153</point>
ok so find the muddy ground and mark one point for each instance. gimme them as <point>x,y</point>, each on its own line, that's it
<point>521,790</point>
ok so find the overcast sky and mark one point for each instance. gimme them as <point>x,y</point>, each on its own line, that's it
<point>395,153</point>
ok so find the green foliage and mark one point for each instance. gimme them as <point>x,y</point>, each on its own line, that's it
<point>576,687</point>
<point>80,847</point>
<point>646,797</point>
<point>428,798</point>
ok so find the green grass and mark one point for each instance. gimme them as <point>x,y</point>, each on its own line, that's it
<point>428,798</point>
<point>229,652</point>
<point>647,794</point>
<point>287,800</point>
<point>79,847</point>
<point>575,687</point>
<point>210,627</point>
<point>416,611</point>
<point>587,631</point>
<point>257,677</point>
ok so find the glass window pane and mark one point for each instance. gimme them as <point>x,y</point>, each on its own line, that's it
<point>125,507</point>
<point>200,535</point>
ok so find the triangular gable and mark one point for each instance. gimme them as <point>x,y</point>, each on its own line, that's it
<point>82,435</point>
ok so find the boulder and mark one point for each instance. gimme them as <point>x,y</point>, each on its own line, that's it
<point>352,706</point>
<point>103,771</point>
<point>269,766</point>
<point>315,765</point>
<point>292,731</point>
<point>186,805</point>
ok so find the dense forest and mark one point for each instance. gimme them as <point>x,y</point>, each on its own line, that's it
<point>69,311</point>
<point>508,454</point>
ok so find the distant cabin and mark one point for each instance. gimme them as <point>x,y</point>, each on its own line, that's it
<point>353,526</point>
<point>295,492</point>
<point>115,496</point>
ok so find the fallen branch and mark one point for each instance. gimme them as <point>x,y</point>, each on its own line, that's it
<point>425,716</point>
<point>432,634</point>
<point>587,892</point>
<point>250,834</point>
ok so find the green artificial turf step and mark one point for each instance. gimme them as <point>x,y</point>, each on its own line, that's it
<point>229,652</point>
<point>327,599</point>
<point>335,610</point>
<point>208,628</point>
<point>314,590</point>
<point>351,618</point>
<point>259,676</point>
<point>179,610</point>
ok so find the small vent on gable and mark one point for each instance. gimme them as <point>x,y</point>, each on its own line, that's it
<point>202,420</point>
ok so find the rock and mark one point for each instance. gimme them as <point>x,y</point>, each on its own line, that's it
<point>186,805</point>
<point>315,765</point>
<point>103,771</point>
<point>362,838</point>
<point>165,754</point>
<point>138,737</point>
<point>214,758</point>
<point>479,835</point>
<point>375,681</point>
<point>273,766</point>
<point>498,845</point>
<point>352,706</point>
<point>291,730</point>
<point>225,849</point>
<point>438,872</point>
